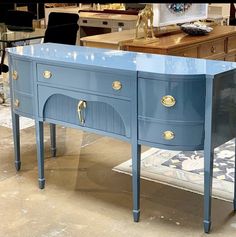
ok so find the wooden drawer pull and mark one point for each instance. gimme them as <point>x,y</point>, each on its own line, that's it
<point>16,103</point>
<point>47,74</point>
<point>213,49</point>
<point>168,135</point>
<point>14,75</point>
<point>116,85</point>
<point>168,101</point>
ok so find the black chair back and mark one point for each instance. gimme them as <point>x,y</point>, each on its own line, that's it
<point>19,20</point>
<point>62,28</point>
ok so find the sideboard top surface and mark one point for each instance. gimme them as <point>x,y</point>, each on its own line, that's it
<point>122,60</point>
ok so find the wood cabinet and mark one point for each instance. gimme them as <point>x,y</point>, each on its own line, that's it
<point>220,44</point>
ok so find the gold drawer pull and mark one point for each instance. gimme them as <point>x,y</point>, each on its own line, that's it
<point>116,85</point>
<point>14,75</point>
<point>47,74</point>
<point>168,135</point>
<point>16,103</point>
<point>213,49</point>
<point>168,101</point>
<point>81,106</point>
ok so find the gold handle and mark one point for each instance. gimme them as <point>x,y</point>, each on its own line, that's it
<point>168,100</point>
<point>81,106</point>
<point>168,135</point>
<point>47,74</point>
<point>14,75</point>
<point>213,49</point>
<point>16,103</point>
<point>116,85</point>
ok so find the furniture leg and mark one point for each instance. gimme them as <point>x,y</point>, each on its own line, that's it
<point>16,139</point>
<point>208,172</point>
<point>40,153</point>
<point>53,139</point>
<point>136,154</point>
<point>235,177</point>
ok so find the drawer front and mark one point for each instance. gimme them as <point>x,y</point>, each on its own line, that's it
<point>212,48</point>
<point>189,52</point>
<point>232,43</point>
<point>231,57</point>
<point>118,85</point>
<point>188,99</point>
<point>182,134</point>
<point>21,76</point>
<point>23,103</point>
<point>95,22</point>
<point>100,113</point>
<point>123,24</point>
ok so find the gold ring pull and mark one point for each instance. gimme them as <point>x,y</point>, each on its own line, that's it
<point>168,135</point>
<point>168,101</point>
<point>47,74</point>
<point>14,75</point>
<point>116,85</point>
<point>81,106</point>
<point>16,103</point>
<point>213,49</point>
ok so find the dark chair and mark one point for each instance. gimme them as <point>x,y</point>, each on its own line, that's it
<point>19,20</point>
<point>232,19</point>
<point>62,28</point>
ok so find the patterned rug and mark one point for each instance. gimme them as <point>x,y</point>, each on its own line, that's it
<point>184,170</point>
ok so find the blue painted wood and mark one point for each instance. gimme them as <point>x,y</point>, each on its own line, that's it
<point>234,201</point>
<point>53,139</point>
<point>90,81</point>
<point>25,103</point>
<point>208,155</point>
<point>204,91</point>
<point>40,153</point>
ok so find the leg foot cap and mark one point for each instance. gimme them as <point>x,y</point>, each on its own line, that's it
<point>136,214</point>
<point>207,226</point>
<point>17,165</point>
<point>53,152</point>
<point>41,183</point>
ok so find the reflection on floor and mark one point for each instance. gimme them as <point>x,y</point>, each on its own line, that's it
<point>84,197</point>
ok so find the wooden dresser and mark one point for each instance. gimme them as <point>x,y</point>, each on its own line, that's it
<point>220,44</point>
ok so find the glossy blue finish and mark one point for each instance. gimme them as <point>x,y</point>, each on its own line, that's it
<point>202,118</point>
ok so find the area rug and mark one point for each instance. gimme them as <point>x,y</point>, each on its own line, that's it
<point>5,118</point>
<point>184,170</point>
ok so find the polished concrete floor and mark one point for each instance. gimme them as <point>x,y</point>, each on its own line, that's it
<point>84,197</point>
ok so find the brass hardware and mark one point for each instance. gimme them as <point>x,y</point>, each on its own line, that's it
<point>16,103</point>
<point>14,75</point>
<point>116,85</point>
<point>213,49</point>
<point>81,106</point>
<point>47,74</point>
<point>168,100</point>
<point>168,135</point>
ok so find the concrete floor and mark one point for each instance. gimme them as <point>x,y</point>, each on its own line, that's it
<point>84,197</point>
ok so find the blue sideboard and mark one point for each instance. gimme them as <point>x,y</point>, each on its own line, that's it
<point>161,101</point>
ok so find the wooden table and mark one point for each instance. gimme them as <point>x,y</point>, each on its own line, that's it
<point>219,44</point>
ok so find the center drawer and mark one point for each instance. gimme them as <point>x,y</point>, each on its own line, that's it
<point>102,82</point>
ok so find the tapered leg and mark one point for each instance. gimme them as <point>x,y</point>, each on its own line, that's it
<point>208,172</point>
<point>136,153</point>
<point>235,177</point>
<point>16,139</point>
<point>53,139</point>
<point>40,153</point>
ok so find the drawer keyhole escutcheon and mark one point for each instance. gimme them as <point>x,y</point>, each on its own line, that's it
<point>47,74</point>
<point>81,107</point>
<point>168,135</point>
<point>14,75</point>
<point>213,49</point>
<point>116,85</point>
<point>168,101</point>
<point>16,103</point>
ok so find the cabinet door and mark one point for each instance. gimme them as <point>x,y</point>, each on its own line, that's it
<point>101,113</point>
